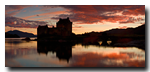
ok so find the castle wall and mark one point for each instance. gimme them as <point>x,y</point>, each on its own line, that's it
<point>42,30</point>
<point>53,31</point>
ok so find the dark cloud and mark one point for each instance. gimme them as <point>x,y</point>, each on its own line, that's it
<point>12,13</point>
<point>16,7</point>
<point>88,14</point>
<point>11,10</point>
<point>131,20</point>
<point>22,23</point>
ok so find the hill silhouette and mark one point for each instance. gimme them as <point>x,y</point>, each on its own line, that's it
<point>7,35</point>
<point>140,30</point>
<point>129,32</point>
<point>21,34</point>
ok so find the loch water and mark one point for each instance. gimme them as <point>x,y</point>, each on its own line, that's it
<point>20,53</point>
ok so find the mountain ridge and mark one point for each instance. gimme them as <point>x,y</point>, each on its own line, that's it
<point>21,34</point>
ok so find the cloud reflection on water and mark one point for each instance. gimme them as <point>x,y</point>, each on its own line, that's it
<point>107,57</point>
<point>108,60</point>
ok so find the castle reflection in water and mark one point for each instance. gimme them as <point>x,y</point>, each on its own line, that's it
<point>63,50</point>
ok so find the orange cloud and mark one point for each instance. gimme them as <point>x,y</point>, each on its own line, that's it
<point>11,23</point>
<point>135,11</point>
<point>29,16</point>
<point>124,27</point>
<point>77,27</point>
<point>89,14</point>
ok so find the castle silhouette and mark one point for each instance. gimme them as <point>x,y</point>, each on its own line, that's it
<point>63,28</point>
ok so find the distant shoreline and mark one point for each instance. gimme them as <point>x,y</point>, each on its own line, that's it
<point>134,43</point>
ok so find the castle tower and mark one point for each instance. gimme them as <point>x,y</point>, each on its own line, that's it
<point>42,31</point>
<point>64,26</point>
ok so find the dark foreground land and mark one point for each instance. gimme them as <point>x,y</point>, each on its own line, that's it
<point>97,41</point>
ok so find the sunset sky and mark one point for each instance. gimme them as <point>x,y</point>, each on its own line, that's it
<point>85,18</point>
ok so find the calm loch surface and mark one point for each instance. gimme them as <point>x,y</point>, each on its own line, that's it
<point>19,53</point>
